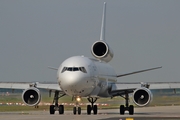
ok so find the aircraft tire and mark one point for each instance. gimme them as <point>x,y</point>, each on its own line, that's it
<point>61,109</point>
<point>131,110</point>
<point>51,109</point>
<point>95,108</point>
<point>88,109</point>
<point>122,110</point>
<point>79,110</point>
<point>74,110</point>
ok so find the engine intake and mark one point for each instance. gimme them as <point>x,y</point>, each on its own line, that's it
<point>102,51</point>
<point>31,96</point>
<point>142,97</point>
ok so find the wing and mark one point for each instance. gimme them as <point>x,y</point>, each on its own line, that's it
<point>121,75</point>
<point>126,88</point>
<point>121,88</point>
<point>22,85</point>
<point>164,85</point>
<point>31,95</point>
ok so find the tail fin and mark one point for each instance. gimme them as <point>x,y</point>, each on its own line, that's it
<point>102,35</point>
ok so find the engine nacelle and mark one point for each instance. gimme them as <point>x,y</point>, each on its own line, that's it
<point>31,96</point>
<point>142,96</point>
<point>102,51</point>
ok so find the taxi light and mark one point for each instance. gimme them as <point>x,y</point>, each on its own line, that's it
<point>78,99</point>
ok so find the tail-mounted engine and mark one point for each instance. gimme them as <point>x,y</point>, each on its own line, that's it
<point>31,96</point>
<point>102,51</point>
<point>142,97</point>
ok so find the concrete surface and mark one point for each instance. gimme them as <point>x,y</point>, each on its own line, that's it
<point>145,113</point>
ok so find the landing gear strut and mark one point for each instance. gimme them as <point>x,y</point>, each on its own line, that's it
<point>55,107</point>
<point>127,107</point>
<point>92,106</point>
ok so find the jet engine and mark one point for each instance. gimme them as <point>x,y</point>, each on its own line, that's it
<point>142,97</point>
<point>102,51</point>
<point>31,96</point>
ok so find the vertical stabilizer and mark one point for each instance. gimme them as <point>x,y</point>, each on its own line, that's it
<point>102,36</point>
<point>100,49</point>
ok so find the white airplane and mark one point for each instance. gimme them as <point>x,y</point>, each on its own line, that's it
<point>92,78</point>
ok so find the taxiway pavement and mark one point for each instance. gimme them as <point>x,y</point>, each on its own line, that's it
<point>145,113</point>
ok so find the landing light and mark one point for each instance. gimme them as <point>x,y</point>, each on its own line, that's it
<point>78,99</point>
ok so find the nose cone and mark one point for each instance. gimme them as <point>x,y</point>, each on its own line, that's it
<point>76,84</point>
<point>75,76</point>
<point>72,79</point>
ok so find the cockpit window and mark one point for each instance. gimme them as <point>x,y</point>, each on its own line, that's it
<point>75,69</point>
<point>82,69</point>
<point>70,69</point>
<point>64,69</point>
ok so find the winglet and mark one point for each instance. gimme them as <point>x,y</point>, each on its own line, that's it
<point>102,35</point>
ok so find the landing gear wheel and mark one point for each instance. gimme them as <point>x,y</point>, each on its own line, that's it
<point>74,110</point>
<point>51,109</point>
<point>79,110</point>
<point>55,107</point>
<point>131,109</point>
<point>95,109</point>
<point>61,109</point>
<point>88,109</point>
<point>92,106</point>
<point>122,110</point>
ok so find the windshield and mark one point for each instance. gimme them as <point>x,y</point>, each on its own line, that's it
<point>73,69</point>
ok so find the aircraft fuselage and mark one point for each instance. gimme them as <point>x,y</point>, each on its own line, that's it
<point>82,76</point>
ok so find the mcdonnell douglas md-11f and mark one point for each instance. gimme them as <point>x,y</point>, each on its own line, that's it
<point>91,78</point>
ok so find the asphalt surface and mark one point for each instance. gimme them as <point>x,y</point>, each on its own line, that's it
<point>145,113</point>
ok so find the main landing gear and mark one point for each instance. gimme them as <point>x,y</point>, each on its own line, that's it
<point>56,107</point>
<point>127,107</point>
<point>92,106</point>
<point>76,109</point>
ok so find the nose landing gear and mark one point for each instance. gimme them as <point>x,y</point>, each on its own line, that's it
<point>77,108</point>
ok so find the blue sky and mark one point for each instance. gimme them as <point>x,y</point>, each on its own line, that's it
<point>37,34</point>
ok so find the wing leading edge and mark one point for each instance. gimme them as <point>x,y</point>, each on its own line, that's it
<point>23,85</point>
<point>121,88</point>
<point>121,75</point>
